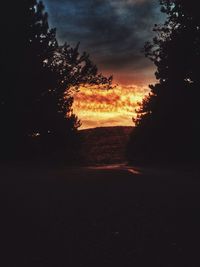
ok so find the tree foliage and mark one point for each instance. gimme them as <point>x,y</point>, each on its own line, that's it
<point>167,125</point>
<point>38,74</point>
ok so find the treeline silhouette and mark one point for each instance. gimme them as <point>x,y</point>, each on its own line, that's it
<point>37,77</point>
<point>168,120</point>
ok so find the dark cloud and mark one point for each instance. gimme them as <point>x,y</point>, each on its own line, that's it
<point>112,31</point>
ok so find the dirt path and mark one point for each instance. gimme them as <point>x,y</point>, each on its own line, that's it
<point>100,216</point>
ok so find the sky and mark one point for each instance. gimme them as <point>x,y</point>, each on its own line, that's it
<point>113,32</point>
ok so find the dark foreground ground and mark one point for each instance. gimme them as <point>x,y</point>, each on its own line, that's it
<point>106,216</point>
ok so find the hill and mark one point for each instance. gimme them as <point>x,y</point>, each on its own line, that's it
<point>105,145</point>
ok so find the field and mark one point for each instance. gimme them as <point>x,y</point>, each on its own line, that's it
<point>106,145</point>
<point>101,215</point>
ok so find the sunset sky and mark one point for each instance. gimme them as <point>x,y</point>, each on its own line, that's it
<point>113,32</point>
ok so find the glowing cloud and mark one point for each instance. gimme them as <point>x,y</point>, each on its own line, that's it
<point>98,107</point>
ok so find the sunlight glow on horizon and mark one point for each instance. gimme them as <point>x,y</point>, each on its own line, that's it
<point>97,107</point>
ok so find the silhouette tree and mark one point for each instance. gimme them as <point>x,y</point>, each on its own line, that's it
<point>167,125</point>
<point>38,73</point>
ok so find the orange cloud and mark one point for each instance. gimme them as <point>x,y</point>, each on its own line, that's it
<point>98,107</point>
